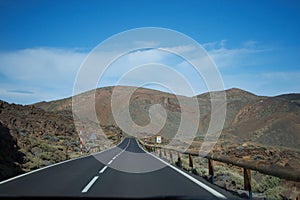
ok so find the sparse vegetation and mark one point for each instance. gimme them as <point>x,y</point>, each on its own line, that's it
<point>270,186</point>
<point>31,138</point>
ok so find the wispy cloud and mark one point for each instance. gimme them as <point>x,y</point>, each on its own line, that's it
<point>38,73</point>
<point>251,67</point>
<point>146,43</point>
<point>234,57</point>
<point>20,91</point>
<point>214,45</point>
<point>250,43</point>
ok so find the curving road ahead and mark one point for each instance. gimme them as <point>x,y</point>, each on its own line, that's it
<point>125,171</point>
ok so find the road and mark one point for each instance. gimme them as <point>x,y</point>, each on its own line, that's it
<point>125,171</point>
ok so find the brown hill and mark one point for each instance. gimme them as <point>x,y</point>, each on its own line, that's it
<point>265,120</point>
<point>272,121</point>
<point>141,100</point>
<point>236,100</point>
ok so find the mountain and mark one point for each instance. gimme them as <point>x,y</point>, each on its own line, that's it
<point>265,120</point>
<point>140,103</point>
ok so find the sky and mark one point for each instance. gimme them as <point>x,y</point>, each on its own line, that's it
<point>254,44</point>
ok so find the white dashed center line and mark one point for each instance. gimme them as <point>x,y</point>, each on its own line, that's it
<point>118,154</point>
<point>90,184</point>
<point>103,169</point>
<point>87,187</point>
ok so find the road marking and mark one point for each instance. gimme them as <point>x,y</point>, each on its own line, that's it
<point>87,187</point>
<point>119,153</point>
<point>103,169</point>
<point>206,187</point>
<point>55,164</point>
<point>59,163</point>
<point>126,147</point>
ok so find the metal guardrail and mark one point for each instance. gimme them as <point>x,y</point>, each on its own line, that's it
<point>247,165</point>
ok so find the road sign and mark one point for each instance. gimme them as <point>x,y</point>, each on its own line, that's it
<point>158,139</point>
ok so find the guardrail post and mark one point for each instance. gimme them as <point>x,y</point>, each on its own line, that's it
<point>211,170</point>
<point>191,164</point>
<point>179,162</point>
<point>171,156</point>
<point>247,181</point>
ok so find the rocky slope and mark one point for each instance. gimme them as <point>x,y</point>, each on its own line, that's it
<point>10,156</point>
<point>31,137</point>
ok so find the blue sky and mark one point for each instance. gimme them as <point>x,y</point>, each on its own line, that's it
<point>255,44</point>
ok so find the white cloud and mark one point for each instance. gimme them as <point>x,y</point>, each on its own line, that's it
<point>153,56</point>
<point>249,67</point>
<point>225,57</point>
<point>220,54</point>
<point>234,57</point>
<point>180,49</point>
<point>146,43</point>
<point>215,44</point>
<point>42,72</point>
<point>145,56</point>
<point>40,64</point>
<point>31,75</point>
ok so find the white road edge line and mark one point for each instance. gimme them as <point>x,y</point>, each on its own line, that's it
<point>65,161</point>
<point>206,187</point>
<point>21,175</point>
<point>103,169</point>
<point>87,187</point>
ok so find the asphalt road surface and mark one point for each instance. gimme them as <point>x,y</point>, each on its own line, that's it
<point>125,171</point>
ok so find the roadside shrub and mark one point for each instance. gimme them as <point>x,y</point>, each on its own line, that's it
<point>270,186</point>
